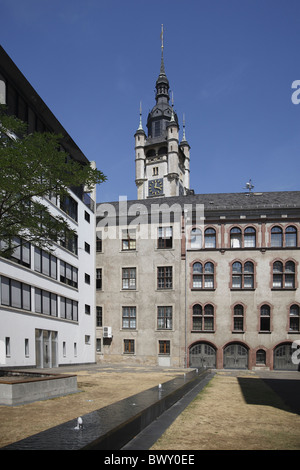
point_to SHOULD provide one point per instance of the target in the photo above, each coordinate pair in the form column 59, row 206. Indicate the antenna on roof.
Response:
column 249, row 186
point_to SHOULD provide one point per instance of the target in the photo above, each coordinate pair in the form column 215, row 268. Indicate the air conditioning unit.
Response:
column 107, row 332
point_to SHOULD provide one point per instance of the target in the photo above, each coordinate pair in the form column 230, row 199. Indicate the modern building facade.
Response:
column 47, row 300
column 199, row 280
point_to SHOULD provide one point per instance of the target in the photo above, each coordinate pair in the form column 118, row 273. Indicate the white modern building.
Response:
column 47, row 300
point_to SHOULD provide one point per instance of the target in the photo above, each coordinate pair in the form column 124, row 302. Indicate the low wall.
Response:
column 20, row 388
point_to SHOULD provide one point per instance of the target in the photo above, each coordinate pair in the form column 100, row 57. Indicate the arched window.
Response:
column 294, row 318
column 235, row 238
column 197, row 276
column 203, row 278
column 196, row 239
column 203, row 318
column 248, row 275
column 209, row 275
column 261, row 357
column 197, row 317
column 208, row 318
column 291, row 236
column 289, row 281
column 284, row 275
column 276, row 236
column 237, row 275
column 210, row 238
column 249, row 237
column 238, row 318
column 243, row 275
column 265, row 318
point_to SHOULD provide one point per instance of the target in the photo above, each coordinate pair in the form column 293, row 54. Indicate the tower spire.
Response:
column 162, row 65
column 140, row 128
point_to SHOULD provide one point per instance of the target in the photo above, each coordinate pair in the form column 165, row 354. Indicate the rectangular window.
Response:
column 129, row 239
column 26, row 347
column 87, row 247
column 164, row 318
column 99, row 319
column 21, row 253
column 45, row 302
column 128, row 346
column 68, row 309
column 70, row 242
column 164, row 277
column 99, row 242
column 165, row 237
column 129, row 317
column 45, row 263
column 15, row 294
column 87, row 278
column 87, row 309
column 7, row 346
column 98, row 345
column 164, row 347
column 70, row 207
column 68, row 274
column 99, row 278
column 87, row 216
column 129, row 278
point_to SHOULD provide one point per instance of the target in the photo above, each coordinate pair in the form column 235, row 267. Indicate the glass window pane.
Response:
column 37, row 260
column 53, row 267
column 26, row 296
column 276, row 236
column 16, row 294
column 5, row 297
column 291, row 236
column 46, row 302
column 26, row 253
column 38, row 300
column 45, row 263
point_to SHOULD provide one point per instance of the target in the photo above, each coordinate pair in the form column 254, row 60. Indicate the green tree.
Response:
column 33, row 166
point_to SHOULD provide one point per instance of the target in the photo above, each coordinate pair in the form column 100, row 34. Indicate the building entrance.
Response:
column 235, row 357
column 283, row 357
column 46, row 349
column 202, row 355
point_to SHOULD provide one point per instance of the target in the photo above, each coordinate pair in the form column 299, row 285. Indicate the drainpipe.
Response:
column 185, row 289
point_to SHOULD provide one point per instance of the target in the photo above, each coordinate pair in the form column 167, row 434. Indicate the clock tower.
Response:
column 162, row 161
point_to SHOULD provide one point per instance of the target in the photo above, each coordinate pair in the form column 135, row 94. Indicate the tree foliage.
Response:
column 33, row 166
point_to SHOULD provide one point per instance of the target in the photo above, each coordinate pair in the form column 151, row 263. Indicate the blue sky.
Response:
column 230, row 64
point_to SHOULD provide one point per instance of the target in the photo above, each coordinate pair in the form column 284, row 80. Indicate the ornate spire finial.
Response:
column 162, row 65
column 183, row 125
column 140, row 128
column 172, row 117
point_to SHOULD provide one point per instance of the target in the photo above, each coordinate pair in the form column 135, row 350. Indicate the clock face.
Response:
column 155, row 187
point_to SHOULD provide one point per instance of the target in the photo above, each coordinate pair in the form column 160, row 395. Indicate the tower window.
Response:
column 157, row 128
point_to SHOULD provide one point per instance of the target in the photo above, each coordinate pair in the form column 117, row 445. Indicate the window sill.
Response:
column 238, row 332
column 283, row 288
column 294, row 332
column 203, row 331
column 265, row 332
column 251, row 289
column 203, row 289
